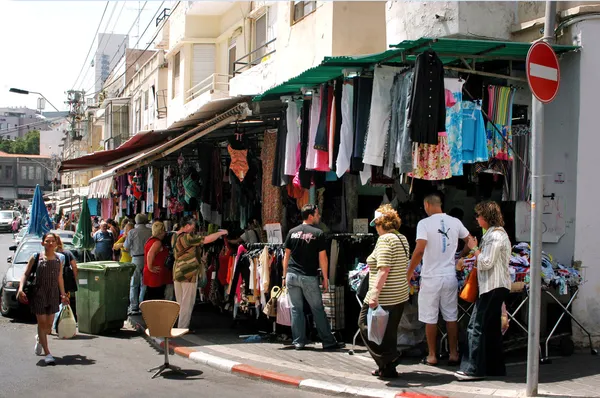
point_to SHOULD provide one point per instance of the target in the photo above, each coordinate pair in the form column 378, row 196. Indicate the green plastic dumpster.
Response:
column 103, row 296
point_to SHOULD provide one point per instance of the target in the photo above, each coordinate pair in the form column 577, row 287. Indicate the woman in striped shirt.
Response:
column 186, row 267
column 484, row 355
column 388, row 287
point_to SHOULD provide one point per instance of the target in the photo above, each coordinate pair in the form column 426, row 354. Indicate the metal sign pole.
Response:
column 537, row 193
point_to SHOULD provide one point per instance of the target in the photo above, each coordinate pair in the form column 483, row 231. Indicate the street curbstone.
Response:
column 212, row 361
column 229, row 366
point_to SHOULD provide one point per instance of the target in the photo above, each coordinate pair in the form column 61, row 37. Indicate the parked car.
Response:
column 11, row 280
column 19, row 238
column 6, row 218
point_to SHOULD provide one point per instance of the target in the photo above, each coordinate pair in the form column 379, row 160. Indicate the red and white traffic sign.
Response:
column 543, row 72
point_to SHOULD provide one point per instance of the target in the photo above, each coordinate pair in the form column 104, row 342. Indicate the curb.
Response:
column 319, row 386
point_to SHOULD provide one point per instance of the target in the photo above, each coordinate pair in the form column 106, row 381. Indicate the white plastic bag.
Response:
column 67, row 328
column 284, row 309
column 377, row 320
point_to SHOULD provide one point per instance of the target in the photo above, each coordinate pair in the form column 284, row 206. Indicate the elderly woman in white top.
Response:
column 484, row 354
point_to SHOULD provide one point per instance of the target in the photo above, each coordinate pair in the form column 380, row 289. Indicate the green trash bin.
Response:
column 103, row 296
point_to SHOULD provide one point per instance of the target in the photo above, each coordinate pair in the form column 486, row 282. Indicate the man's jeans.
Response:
column 301, row 287
column 137, row 289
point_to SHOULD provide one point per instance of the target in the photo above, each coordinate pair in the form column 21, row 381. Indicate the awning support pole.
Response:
column 489, row 74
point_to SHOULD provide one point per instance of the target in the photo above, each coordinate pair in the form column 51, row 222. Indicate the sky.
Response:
column 43, row 44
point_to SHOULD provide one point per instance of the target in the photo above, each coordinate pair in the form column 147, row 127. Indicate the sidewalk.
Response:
column 218, row 345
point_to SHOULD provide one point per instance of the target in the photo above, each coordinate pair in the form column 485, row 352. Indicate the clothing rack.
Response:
column 350, row 235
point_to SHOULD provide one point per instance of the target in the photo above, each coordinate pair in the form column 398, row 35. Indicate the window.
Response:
column 260, row 38
column 146, row 99
column 31, row 172
column 301, row 9
column 232, row 54
column 23, row 172
column 8, row 172
column 38, row 173
column 176, row 71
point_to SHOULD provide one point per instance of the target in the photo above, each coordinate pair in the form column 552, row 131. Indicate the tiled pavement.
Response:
column 575, row 376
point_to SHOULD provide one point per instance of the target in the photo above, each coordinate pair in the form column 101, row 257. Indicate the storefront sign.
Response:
column 274, row 234
column 360, row 226
column 559, row 178
column 553, row 220
column 26, row 191
column 543, row 72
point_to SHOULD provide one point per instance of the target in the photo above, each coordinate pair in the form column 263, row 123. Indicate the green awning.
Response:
column 449, row 50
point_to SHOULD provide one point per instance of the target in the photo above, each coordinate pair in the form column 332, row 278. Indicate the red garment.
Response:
column 223, row 268
column 162, row 277
column 322, row 157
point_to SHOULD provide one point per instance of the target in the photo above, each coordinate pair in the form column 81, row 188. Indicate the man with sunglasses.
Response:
column 437, row 241
column 305, row 253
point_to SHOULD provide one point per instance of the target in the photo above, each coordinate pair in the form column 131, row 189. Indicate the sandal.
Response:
column 375, row 373
column 424, row 361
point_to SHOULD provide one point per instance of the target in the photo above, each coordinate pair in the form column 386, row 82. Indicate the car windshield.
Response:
column 6, row 215
column 25, row 251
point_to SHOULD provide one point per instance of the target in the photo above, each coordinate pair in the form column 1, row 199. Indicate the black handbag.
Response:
column 30, row 287
column 68, row 274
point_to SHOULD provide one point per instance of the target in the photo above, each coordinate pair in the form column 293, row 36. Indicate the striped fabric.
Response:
column 186, row 264
column 391, row 251
column 493, row 261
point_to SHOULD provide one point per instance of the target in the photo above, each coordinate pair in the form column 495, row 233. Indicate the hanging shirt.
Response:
column 315, row 113
column 347, row 132
column 292, row 138
column 427, row 114
column 380, row 115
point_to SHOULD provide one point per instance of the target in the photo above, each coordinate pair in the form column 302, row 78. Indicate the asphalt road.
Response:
column 101, row 366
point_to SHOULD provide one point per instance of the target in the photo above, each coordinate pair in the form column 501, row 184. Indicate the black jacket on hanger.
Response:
column 427, row 113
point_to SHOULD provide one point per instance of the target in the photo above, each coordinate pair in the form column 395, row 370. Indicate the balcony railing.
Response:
column 214, row 82
column 253, row 58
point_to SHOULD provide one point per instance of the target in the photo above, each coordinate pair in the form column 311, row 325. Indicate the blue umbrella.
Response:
column 40, row 221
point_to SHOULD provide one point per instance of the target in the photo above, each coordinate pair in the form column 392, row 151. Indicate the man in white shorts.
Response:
column 437, row 241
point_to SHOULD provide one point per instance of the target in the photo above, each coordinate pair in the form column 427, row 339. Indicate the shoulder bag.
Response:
column 68, row 274
column 30, row 286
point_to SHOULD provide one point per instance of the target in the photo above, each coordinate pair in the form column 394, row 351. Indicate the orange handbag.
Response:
column 470, row 291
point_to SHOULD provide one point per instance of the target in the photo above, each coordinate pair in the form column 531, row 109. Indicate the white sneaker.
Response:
column 38, row 347
column 49, row 360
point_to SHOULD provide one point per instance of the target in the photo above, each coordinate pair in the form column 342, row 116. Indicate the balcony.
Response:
column 255, row 72
column 216, row 82
column 256, row 57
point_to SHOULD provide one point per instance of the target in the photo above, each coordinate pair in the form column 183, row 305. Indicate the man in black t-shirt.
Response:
column 305, row 252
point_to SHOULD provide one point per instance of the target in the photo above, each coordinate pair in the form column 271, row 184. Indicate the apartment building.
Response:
column 111, row 48
column 286, row 38
column 148, row 92
column 16, row 122
column 19, row 174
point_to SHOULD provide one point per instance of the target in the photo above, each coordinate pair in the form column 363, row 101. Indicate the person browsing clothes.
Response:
column 305, row 253
column 484, row 355
column 437, row 241
column 134, row 244
column 388, row 287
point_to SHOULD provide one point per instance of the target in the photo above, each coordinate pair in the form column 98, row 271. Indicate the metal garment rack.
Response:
column 545, row 344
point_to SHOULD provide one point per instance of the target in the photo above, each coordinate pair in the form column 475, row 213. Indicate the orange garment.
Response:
column 239, row 162
column 230, row 270
column 304, row 200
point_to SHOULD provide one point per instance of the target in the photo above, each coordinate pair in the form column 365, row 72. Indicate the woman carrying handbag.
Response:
column 47, row 291
column 484, row 355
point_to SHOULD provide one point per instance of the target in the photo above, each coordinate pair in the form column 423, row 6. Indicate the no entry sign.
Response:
column 543, row 72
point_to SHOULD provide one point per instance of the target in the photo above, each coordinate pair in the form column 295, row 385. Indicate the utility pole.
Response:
column 537, row 193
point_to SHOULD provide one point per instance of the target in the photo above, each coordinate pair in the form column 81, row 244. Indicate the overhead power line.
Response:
column 147, row 47
column 122, row 43
column 104, row 31
column 16, row 129
column 91, row 45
